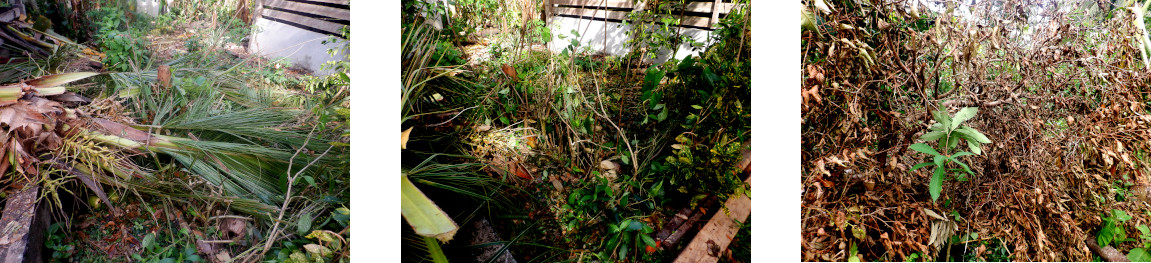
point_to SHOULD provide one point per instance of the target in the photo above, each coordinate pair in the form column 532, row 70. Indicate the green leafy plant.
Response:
column 700, row 168
column 1140, row 254
column 949, row 131
column 57, row 242
column 1112, row 230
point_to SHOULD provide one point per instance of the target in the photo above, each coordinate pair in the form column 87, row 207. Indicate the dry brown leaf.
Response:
column 404, row 138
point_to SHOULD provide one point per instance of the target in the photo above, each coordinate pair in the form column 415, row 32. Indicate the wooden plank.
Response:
column 547, row 10
column 696, row 21
column 621, row 15
column 605, row 3
column 714, row 238
column 706, row 7
column 332, row 28
column 332, row 12
column 700, row 7
column 339, row 2
column 714, row 14
column 589, row 13
column 22, row 226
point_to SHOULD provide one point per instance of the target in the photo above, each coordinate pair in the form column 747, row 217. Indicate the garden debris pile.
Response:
column 1063, row 102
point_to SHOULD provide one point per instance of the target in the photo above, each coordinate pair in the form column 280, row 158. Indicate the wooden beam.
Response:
column 603, row 3
column 339, row 2
column 22, row 226
column 332, row 12
column 589, row 13
column 585, row 13
column 706, row 7
column 332, row 28
column 714, row 14
column 547, row 10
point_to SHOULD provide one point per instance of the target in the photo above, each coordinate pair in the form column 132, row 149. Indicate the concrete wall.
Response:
column 302, row 47
column 592, row 33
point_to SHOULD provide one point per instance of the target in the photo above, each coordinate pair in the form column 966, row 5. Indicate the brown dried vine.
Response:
column 1062, row 93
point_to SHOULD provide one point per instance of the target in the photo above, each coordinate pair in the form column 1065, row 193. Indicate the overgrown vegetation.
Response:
column 182, row 154
column 1060, row 90
column 563, row 152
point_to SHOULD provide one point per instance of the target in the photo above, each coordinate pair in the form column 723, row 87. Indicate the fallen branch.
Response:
column 1107, row 253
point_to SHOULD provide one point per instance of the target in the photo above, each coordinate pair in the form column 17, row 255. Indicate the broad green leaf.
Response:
column 942, row 118
column 647, row 240
column 952, row 142
column 697, row 107
column 924, row 148
column 936, row 184
column 425, row 217
column 652, row 79
column 962, row 116
column 939, row 160
column 917, row 166
column 931, row 136
column 961, row 154
column 304, row 224
column 938, row 127
column 1138, row 255
column 1120, row 215
column 1104, row 237
column 965, row 168
column 970, row 133
column 635, row 225
column 974, row 147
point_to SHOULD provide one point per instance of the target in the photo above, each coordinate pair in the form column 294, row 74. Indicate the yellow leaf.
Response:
column 404, row 138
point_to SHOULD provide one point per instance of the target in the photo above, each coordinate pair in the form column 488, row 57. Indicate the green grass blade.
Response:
column 434, row 250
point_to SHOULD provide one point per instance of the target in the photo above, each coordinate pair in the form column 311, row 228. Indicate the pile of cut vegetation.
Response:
column 1027, row 140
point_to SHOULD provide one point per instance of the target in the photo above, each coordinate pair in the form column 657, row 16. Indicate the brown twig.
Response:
column 288, row 194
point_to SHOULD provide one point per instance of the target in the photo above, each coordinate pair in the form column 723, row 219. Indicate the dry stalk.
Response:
column 288, row 194
column 603, row 114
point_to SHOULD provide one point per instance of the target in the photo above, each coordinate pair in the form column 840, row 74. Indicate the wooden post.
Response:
column 547, row 11
column 714, row 13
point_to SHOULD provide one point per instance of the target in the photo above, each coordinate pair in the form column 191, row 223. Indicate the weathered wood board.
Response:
column 323, row 26
column 714, row 238
column 699, row 14
column 321, row 10
column 22, row 227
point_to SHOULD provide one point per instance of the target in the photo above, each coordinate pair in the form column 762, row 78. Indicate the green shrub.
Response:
column 949, row 131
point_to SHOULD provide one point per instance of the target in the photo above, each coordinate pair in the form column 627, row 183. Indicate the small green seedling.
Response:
column 949, row 131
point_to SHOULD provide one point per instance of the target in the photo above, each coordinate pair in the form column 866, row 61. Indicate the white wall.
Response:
column 592, row 33
column 302, row 47
column 150, row 7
